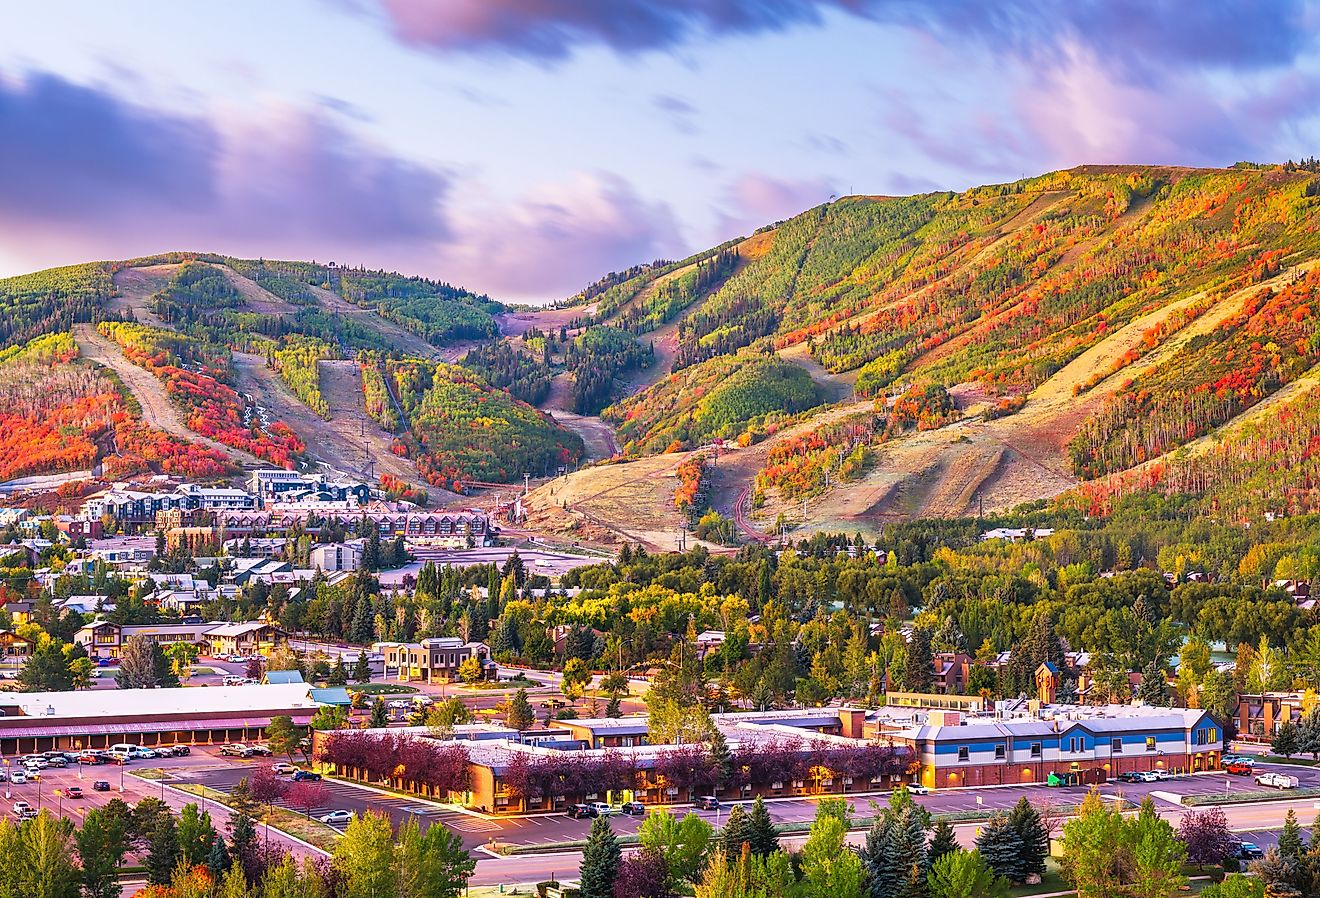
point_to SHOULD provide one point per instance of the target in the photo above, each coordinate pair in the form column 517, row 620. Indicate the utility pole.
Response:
column 527, row 483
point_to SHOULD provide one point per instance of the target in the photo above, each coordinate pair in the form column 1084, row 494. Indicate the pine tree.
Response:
column 520, row 716
column 737, row 832
column 218, row 860
column 163, row 851
column 614, row 707
column 243, row 842
column 880, row 859
column 362, row 669
column 762, row 836
column 721, row 759
column 338, row 674
column 600, row 861
column 379, row 718
column 1034, row 835
column 1285, row 741
column 1290, row 840
column 363, row 629
column 942, row 841
column 1001, row 847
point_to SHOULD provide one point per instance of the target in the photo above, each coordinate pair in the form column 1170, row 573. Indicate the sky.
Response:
column 523, row 148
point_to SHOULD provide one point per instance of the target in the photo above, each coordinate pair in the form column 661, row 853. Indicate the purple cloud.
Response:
column 86, row 174
column 1144, row 34
column 559, row 237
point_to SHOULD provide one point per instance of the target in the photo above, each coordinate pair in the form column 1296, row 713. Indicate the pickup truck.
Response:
column 1278, row 780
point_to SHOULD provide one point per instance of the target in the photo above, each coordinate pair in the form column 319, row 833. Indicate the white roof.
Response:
column 182, row 700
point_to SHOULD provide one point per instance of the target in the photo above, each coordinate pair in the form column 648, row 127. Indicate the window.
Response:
column 1116, row 745
column 1150, row 743
column 962, row 753
column 1035, row 749
column 999, row 752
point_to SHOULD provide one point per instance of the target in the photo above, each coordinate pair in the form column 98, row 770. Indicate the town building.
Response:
column 434, row 660
column 96, row 719
column 1259, row 715
column 336, row 557
column 105, row 639
column 14, row 648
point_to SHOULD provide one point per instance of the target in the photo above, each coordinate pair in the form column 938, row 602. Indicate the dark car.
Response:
column 306, row 776
column 633, row 809
column 707, row 803
column 100, row 786
column 1249, row 851
column 1129, row 777
column 181, row 750
column 579, row 811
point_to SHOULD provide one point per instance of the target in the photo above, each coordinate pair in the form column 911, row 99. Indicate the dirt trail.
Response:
column 599, row 437
column 404, row 339
column 157, row 409
column 135, row 286
column 339, row 442
column 257, row 297
column 837, row 387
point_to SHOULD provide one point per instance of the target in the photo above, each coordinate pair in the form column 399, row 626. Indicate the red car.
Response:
column 73, row 792
column 1239, row 767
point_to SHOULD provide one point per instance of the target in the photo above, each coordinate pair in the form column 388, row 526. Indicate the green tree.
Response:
column 433, row 864
column 1092, row 849
column 600, row 861
column 721, row 758
column 218, row 861
column 283, row 736
column 329, row 717
column 42, row 858
column 1157, row 855
column 364, row 857
column 362, row 669
column 829, row 869
column 1291, row 845
column 1235, row 886
column 964, row 874
column 520, row 715
column 576, row 677
column 682, row 843
column 1285, row 741
column 101, row 845
column 443, row 716
column 163, row 850
column 379, row 714
column 942, row 840
column 196, row 835
column 762, row 835
column 143, row 665
column 470, row 670
column 1001, row 848
column 338, row 674
column 1034, row 835
column 46, row 670
column 737, row 832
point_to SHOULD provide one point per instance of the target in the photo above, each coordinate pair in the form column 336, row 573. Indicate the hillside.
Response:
column 256, row 363
column 869, row 360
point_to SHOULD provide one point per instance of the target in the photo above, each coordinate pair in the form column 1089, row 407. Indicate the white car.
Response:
column 18, row 777
column 283, row 768
column 602, row 809
column 916, row 789
column 337, row 818
column 21, row 808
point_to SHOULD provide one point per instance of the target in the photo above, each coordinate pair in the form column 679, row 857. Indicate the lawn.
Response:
column 310, row 830
column 383, row 689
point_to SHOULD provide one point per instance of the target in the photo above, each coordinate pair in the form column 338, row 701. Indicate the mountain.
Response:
column 1083, row 335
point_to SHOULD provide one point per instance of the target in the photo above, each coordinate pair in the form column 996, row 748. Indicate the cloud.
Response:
column 86, row 174
column 1145, row 35
column 560, row 237
column 757, row 199
column 680, row 112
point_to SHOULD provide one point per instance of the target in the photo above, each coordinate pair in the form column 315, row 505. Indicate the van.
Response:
column 122, row 752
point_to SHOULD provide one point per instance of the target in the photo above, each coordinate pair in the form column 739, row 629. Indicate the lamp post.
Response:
column 6, row 779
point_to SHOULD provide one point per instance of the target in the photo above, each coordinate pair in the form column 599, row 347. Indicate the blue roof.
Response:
column 331, row 695
column 280, row 677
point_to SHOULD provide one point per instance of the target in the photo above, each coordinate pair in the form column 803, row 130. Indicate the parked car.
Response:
column 603, row 808
column 305, row 776
column 338, row 818
column 707, row 803
column 100, row 786
column 36, row 761
column 283, row 768
column 262, row 750
column 1239, row 768
column 138, row 753
column 581, row 811
column 236, row 750
column 1130, row 777
column 633, row 809
column 917, row 789
column 73, row 792
column 1248, row 851
column 1277, row 780
column 1237, row 759
column 18, row 778
column 20, row 808
column 90, row 758
column 1160, row 776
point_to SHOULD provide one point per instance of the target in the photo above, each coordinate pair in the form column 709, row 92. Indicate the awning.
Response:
column 163, row 726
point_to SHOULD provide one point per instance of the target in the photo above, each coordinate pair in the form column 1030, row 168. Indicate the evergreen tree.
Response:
column 1290, row 839
column 880, row 859
column 520, row 715
column 600, row 861
column 1034, row 835
column 196, row 835
column 363, row 629
column 942, row 841
column 371, row 551
column 218, row 861
column 243, row 842
column 762, row 835
column 721, row 759
column 737, row 832
column 338, row 674
column 379, row 716
column 1285, row 741
column 1154, row 688
column 362, row 669
column 1001, row 848
column 163, row 851
column 919, row 665
column 614, row 707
